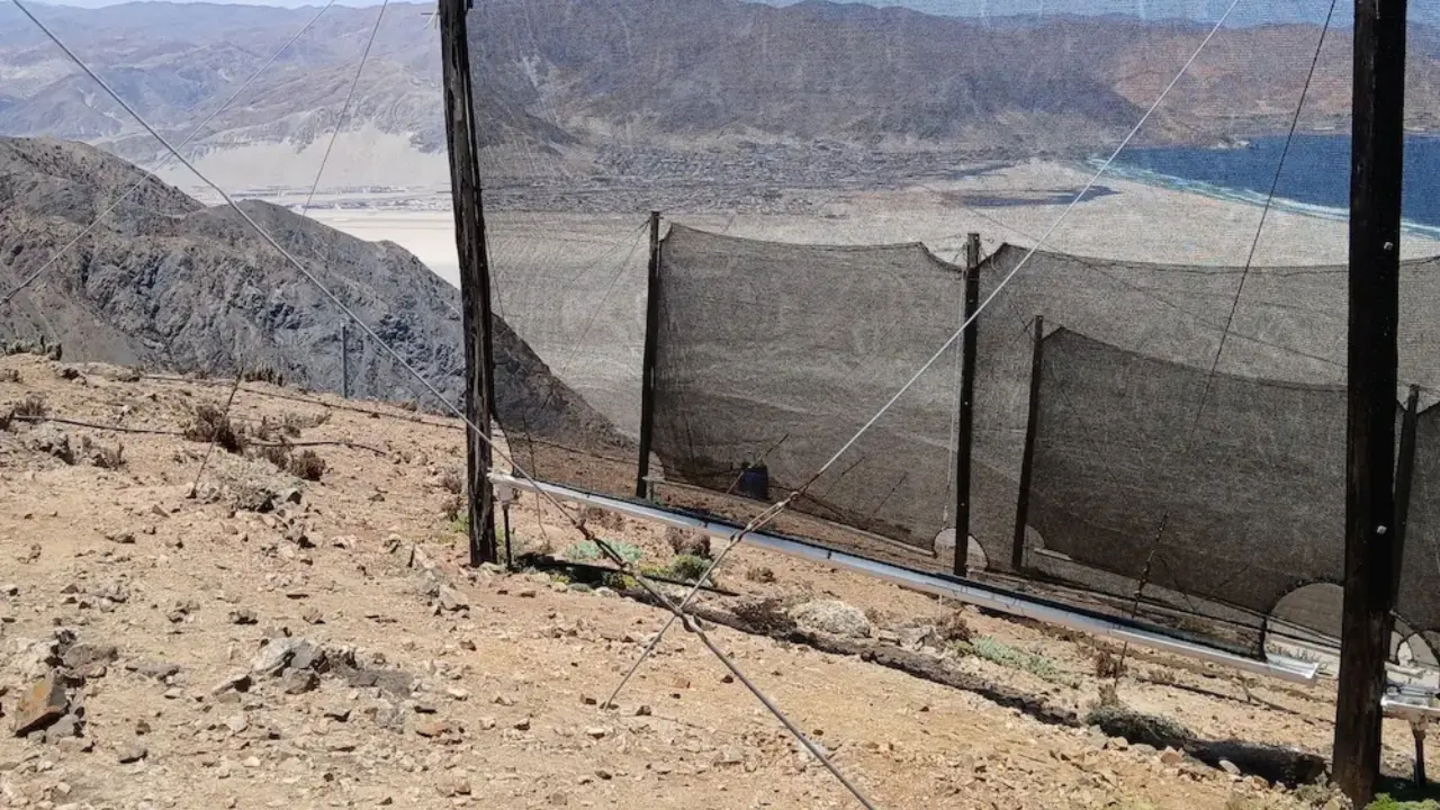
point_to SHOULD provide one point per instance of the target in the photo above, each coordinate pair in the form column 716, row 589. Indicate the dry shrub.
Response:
column 767, row 615
column 452, row 482
column 9, row 375
column 452, row 507
column 954, row 628
column 277, row 454
column 760, row 573
column 685, row 542
column 1108, row 665
column 32, row 347
column 604, row 518
column 307, row 465
column 210, row 424
column 1117, row 720
column 31, row 407
column 106, row 457
column 265, row 375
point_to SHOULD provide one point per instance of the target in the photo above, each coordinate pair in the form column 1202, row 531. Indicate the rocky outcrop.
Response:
column 165, row 282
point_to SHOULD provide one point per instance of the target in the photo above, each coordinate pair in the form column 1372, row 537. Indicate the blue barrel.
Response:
column 755, row 482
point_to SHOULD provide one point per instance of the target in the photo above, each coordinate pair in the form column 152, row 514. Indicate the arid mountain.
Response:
column 560, row 78
column 166, row 282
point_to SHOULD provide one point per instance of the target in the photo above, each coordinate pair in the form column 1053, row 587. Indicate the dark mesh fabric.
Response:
column 1289, row 326
column 1418, row 599
column 1248, row 509
column 778, row 353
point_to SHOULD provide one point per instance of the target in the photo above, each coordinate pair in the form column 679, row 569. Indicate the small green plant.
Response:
column 460, row 522
column 999, row 652
column 617, row 581
column 688, row 567
column 588, row 551
column 1385, row 802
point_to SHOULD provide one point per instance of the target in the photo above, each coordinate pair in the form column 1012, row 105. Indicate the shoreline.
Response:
column 1249, row 197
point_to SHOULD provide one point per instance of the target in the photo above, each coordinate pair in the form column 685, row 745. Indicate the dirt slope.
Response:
column 441, row 686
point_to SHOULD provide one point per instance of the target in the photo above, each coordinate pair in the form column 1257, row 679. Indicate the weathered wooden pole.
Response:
column 965, row 440
column 1027, row 459
column 474, row 274
column 647, row 368
column 1376, row 171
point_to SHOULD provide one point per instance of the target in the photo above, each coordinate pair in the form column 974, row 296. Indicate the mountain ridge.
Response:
column 167, row 282
column 563, row 81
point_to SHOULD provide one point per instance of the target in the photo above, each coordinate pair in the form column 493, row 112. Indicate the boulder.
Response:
column 42, row 705
column 832, row 616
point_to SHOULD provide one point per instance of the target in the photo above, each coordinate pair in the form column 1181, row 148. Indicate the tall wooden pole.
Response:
column 1378, row 144
column 647, row 367
column 964, row 439
column 1027, row 459
column 474, row 274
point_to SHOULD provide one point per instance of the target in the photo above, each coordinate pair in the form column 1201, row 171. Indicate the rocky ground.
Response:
column 277, row 641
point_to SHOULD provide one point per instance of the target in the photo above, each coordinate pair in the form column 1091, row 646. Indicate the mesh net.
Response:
column 775, row 355
column 1238, row 504
column 811, row 162
column 1418, row 599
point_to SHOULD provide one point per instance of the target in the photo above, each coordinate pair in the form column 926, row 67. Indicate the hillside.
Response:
column 583, row 80
column 333, row 652
column 168, row 283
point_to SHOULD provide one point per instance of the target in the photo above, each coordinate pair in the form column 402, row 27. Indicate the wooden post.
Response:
column 465, row 190
column 1022, row 503
column 1417, row 729
column 647, row 369
column 1378, row 145
column 345, row 360
column 965, row 438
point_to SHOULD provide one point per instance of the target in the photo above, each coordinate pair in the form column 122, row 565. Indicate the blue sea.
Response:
column 1315, row 179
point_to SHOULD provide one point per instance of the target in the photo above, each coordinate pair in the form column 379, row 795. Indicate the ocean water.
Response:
column 1315, row 179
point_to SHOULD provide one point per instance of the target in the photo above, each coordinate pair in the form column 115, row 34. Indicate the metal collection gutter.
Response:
column 1280, row 667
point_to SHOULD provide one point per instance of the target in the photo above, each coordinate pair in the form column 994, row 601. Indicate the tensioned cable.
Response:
column 270, row 240
column 1230, row 317
column 1065, row 214
column 194, row 133
column 1264, row 214
column 345, row 108
column 773, row 511
column 339, row 124
column 579, row 524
